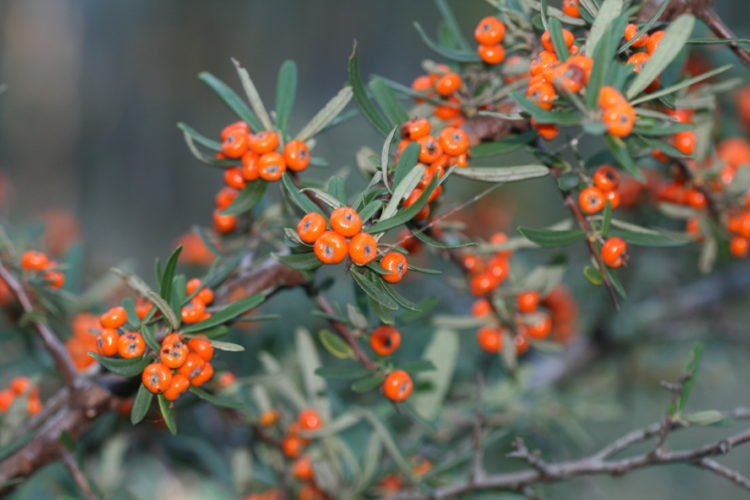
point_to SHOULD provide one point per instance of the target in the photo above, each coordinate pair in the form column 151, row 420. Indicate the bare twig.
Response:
column 78, row 476
column 724, row 471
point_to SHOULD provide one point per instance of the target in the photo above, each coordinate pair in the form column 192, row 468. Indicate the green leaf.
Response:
column 677, row 33
column 507, row 145
column 442, row 352
column 604, row 55
column 167, row 413
column 455, row 55
column 300, row 199
column 247, row 198
column 286, row 91
column 681, row 85
column 360, row 95
column 165, row 287
column 300, row 261
column 645, row 28
column 342, row 373
column 123, row 367
column 256, row 103
column 337, row 189
column 615, row 282
column 608, row 11
column 545, row 116
column 402, row 190
column 326, row 115
column 141, row 404
column 407, row 161
column 373, row 290
column 386, row 99
column 649, row 238
column 216, row 400
column 606, row 219
column 226, row 314
column 408, row 213
column 452, row 24
column 232, row 100
column 502, row 174
column 142, row 288
column 309, row 362
column 593, row 275
column 620, row 151
column 368, row 383
column 693, row 366
column 425, row 238
column 552, row 237
column 421, row 365
column 555, row 30
column 335, row 344
column 385, row 156
column 147, row 332
column 706, row 418
column 199, row 138
column 370, row 210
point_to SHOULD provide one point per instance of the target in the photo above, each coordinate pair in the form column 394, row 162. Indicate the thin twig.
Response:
column 344, row 332
column 724, row 471
column 78, row 476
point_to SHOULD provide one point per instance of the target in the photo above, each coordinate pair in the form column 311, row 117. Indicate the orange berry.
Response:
column 224, row 223
column 226, row 379
column 696, row 199
column 416, row 129
column 194, row 311
column 544, row 60
column 430, row 149
column 233, row 178
column 454, row 141
column 472, row 263
column 178, row 385
column 271, row 166
column 192, row 367
column 491, row 54
column 482, row 284
column 654, row 40
column 6, row 400
column 527, row 302
column 156, row 377
column 396, row 265
column 106, row 342
column 33, row 406
column 619, row 119
column 206, row 373
column 685, row 141
column 613, row 251
column 481, row 307
column 363, row 249
column 292, row 446
column 570, row 8
column 398, row 386
column 55, row 279
column 606, row 178
column 114, row 318
column 384, row 340
column 19, row 385
column 33, row 260
column 546, row 131
column 250, row 166
column 591, row 200
column 174, row 355
column 330, row 247
column 235, row 145
column 522, row 343
column 346, row 221
column 311, row 226
column 131, row 345
column 568, row 38
column 490, row 339
column 610, row 97
column 296, row 155
column 202, row 347
column 739, row 247
column 234, row 127
column 408, row 241
column 447, row 84
column 302, row 468
column 268, row 418
column 542, row 93
column 638, row 60
column 309, row 420
column 142, row 308
column 570, row 76
column 448, row 111
column 499, row 268
column 630, row 31
column 263, row 142
column 540, row 329
column 613, row 197
column 489, row 31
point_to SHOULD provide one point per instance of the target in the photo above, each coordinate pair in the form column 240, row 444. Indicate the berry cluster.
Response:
column 384, row 340
column 489, row 34
column 195, row 311
column 261, row 160
column 617, row 114
column 445, row 84
column 34, row 261
column 110, row 342
column 181, row 364
column 450, row 148
column 83, row 340
column 19, row 386
column 346, row 238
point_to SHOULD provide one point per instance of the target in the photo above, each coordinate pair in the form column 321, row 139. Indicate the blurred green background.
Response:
column 87, row 125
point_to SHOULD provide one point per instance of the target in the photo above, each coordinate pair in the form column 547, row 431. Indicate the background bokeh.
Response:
column 87, row 126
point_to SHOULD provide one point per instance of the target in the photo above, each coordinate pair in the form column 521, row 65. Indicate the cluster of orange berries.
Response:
column 195, row 311
column 390, row 484
column 485, row 275
column 617, row 114
column 110, row 342
column 83, row 340
column 444, row 83
column 347, row 238
column 450, row 148
column 385, row 340
column 17, row 387
column 489, row 34
column 260, row 159
column 34, row 261
column 549, row 74
column 649, row 42
column 181, row 364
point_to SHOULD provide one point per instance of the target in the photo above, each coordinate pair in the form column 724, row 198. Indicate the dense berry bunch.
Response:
column 182, row 363
column 38, row 263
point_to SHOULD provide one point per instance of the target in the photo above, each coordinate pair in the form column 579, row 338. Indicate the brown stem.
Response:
column 721, row 30
column 78, row 476
column 52, row 344
column 344, row 332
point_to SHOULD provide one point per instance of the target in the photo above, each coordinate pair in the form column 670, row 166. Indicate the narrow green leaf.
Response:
column 167, row 413
column 216, row 400
column 226, row 314
column 407, row 161
column 606, row 219
column 300, row 199
column 385, row 157
column 454, row 55
column 503, row 174
column 165, row 287
column 646, row 27
column 425, row 238
column 593, row 275
column 373, row 290
column 256, row 103
column 450, row 21
column 247, row 198
column 200, row 138
column 441, row 352
column 141, row 404
column 368, row 383
column 402, row 190
column 326, row 115
column 232, row 100
column 286, row 91
column 335, row 345
column 677, row 33
column 142, row 288
column 555, row 29
column 300, row 261
column 386, row 99
column 552, row 237
column 649, row 238
column 342, row 373
column 421, row 365
column 692, row 369
column 123, row 367
column 608, row 11
column 681, row 85
column 620, row 151
column 360, row 95
column 545, row 116
column 408, row 213
column 507, row 145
